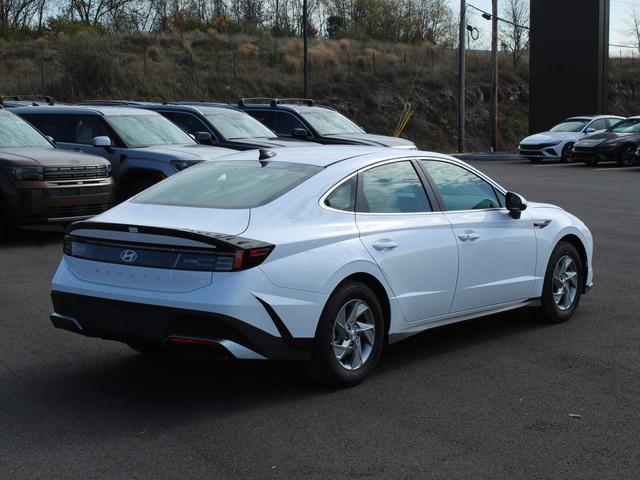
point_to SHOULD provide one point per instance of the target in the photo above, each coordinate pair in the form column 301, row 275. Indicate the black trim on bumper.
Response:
column 135, row 322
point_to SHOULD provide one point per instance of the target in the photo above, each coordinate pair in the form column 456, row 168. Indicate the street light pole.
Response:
column 305, row 40
column 494, row 76
column 461, row 76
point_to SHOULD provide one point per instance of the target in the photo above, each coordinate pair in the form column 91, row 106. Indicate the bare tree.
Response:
column 633, row 31
column 515, row 35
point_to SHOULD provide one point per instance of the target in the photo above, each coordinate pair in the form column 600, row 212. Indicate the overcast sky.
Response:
column 619, row 24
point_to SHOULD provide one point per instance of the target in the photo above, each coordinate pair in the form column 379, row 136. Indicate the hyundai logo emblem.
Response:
column 128, row 256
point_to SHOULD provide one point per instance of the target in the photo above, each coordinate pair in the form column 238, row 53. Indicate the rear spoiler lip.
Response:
column 218, row 240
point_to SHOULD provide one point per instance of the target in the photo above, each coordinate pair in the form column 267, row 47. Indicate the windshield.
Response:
column 627, row 126
column 570, row 126
column 235, row 125
column 228, row 185
column 147, row 130
column 330, row 122
column 16, row 133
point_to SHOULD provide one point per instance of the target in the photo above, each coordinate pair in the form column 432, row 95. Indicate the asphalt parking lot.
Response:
column 501, row 397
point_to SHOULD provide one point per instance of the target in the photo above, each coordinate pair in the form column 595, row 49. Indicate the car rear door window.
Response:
column 59, row 127
column 612, row 121
column 459, row 188
column 344, row 196
column 392, row 188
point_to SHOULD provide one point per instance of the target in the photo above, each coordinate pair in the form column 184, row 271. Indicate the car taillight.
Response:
column 225, row 258
column 253, row 257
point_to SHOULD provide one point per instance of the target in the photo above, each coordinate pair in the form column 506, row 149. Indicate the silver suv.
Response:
column 142, row 146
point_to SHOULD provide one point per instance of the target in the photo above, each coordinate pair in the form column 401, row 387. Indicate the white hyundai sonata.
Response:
column 318, row 254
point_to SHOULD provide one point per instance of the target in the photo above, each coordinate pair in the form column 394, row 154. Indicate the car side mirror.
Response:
column 516, row 204
column 203, row 137
column 590, row 130
column 102, row 141
column 300, row 133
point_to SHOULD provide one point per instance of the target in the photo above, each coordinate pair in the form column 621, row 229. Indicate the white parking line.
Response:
column 610, row 169
column 561, row 165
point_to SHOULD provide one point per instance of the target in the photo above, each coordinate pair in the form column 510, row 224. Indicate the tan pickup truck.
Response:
column 40, row 184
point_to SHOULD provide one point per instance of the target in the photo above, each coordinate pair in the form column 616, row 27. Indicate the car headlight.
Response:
column 182, row 164
column 25, row 173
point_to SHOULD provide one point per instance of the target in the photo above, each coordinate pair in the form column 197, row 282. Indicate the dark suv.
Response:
column 213, row 124
column 40, row 184
column 302, row 119
column 142, row 146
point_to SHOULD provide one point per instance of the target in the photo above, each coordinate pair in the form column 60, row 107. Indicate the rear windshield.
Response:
column 228, row 185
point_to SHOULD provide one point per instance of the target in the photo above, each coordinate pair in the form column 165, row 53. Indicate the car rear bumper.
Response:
column 174, row 328
column 56, row 202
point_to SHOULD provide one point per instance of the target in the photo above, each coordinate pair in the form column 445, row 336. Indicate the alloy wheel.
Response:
column 565, row 283
column 353, row 334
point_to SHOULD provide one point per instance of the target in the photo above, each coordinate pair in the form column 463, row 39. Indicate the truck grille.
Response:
column 77, row 210
column 76, row 173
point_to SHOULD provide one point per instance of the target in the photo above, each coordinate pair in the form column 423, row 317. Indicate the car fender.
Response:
column 552, row 225
column 159, row 166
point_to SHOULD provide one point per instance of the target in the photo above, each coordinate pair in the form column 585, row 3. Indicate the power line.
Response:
column 488, row 16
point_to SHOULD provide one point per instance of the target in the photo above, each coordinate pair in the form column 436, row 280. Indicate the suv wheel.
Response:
column 563, row 283
column 349, row 337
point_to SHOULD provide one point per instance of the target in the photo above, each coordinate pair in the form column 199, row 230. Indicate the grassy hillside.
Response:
column 370, row 82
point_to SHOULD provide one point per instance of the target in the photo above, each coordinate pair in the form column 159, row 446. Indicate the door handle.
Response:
column 469, row 236
column 384, row 245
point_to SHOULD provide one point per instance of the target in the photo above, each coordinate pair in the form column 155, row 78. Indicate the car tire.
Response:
column 627, row 156
column 567, row 156
column 351, row 327
column 563, row 283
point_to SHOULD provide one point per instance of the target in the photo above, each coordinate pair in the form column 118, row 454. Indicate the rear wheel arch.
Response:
column 378, row 288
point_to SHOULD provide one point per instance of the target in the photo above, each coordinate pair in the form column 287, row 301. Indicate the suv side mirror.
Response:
column 516, row 204
column 300, row 133
column 103, row 141
column 590, row 130
column 203, row 137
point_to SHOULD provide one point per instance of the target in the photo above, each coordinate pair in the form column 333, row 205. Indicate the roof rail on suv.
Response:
column 107, row 103
column 275, row 101
column 35, row 99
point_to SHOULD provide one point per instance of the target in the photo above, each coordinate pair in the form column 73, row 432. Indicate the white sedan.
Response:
column 317, row 254
column 559, row 141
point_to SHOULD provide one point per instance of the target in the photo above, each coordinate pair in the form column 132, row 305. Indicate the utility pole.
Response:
column 461, row 76
column 305, row 41
column 494, row 76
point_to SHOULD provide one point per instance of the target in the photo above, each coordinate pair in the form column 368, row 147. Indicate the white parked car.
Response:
column 558, row 142
column 320, row 254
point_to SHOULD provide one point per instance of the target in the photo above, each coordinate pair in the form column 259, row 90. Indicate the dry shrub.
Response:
column 292, row 48
column 154, row 53
column 249, row 50
column 186, row 44
column 323, row 55
column 292, row 63
column 212, row 33
column 344, row 44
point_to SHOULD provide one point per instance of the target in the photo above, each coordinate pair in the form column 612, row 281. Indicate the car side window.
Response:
column 59, row 127
column 187, row 122
column 612, row 121
column 284, row 123
column 459, row 188
column 343, row 197
column 87, row 127
column 599, row 124
column 263, row 116
column 392, row 188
